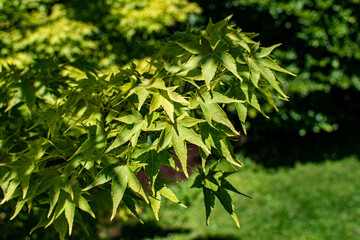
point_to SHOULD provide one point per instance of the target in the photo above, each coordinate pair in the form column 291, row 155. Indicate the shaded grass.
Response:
column 311, row 201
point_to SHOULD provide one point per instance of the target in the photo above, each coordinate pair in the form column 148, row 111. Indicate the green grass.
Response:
column 311, row 201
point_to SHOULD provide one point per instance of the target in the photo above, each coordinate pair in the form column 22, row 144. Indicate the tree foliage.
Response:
column 106, row 33
column 64, row 138
column 320, row 42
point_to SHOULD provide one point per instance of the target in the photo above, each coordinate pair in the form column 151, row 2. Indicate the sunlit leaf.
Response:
column 84, row 205
column 208, row 69
column 180, row 150
column 105, row 175
column 134, row 183
column 70, row 213
column 212, row 111
column 118, row 187
column 155, row 202
column 265, row 51
column 169, row 194
column 268, row 62
column 267, row 74
column 54, row 194
column 19, row 205
column 228, row 61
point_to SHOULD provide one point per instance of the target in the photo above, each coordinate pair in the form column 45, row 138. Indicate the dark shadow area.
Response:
column 148, row 230
column 251, row 19
column 277, row 142
column 284, row 140
column 217, row 237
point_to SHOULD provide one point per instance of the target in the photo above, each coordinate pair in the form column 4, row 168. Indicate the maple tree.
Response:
column 63, row 137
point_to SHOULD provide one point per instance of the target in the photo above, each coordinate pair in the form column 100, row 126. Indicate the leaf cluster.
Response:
column 99, row 132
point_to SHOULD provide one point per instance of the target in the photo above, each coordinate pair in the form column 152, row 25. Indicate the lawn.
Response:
column 309, row 201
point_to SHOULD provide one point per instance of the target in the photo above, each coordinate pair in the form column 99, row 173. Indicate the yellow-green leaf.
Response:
column 208, row 69
column 118, row 187
column 228, row 62
column 179, row 145
column 70, row 213
column 155, row 202
column 84, row 205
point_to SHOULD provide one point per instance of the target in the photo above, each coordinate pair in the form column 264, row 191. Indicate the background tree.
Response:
column 320, row 43
column 105, row 33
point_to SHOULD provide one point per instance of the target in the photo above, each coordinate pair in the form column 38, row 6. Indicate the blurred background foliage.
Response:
column 105, row 33
column 321, row 43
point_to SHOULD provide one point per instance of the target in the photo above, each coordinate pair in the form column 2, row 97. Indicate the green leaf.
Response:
column 176, row 97
column 198, row 182
column 251, row 98
column 265, row 51
column 68, row 187
column 60, row 208
column 267, row 94
column 155, row 102
column 28, row 91
column 180, row 150
column 188, row 122
column 204, row 42
column 218, row 29
column 61, row 227
column 208, row 69
column 155, row 202
column 228, row 62
column 165, row 138
column 14, row 183
column 125, row 134
column 227, row 185
column 167, row 105
column 19, row 205
column 173, row 67
column 191, row 136
column 142, row 95
column 80, row 221
column 267, row 74
column 268, row 62
column 193, row 63
column 242, row 114
column 70, row 213
column 254, row 73
column 53, row 197
column 192, row 47
column 152, row 169
column 105, row 175
column 134, row 183
column 224, row 147
column 209, row 200
column 210, row 184
column 42, row 222
column 216, row 97
column 25, row 183
column 209, row 27
column 226, row 201
column 130, row 204
column 129, row 119
column 118, row 187
column 169, row 194
column 161, row 99
column 84, row 205
column 212, row 111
